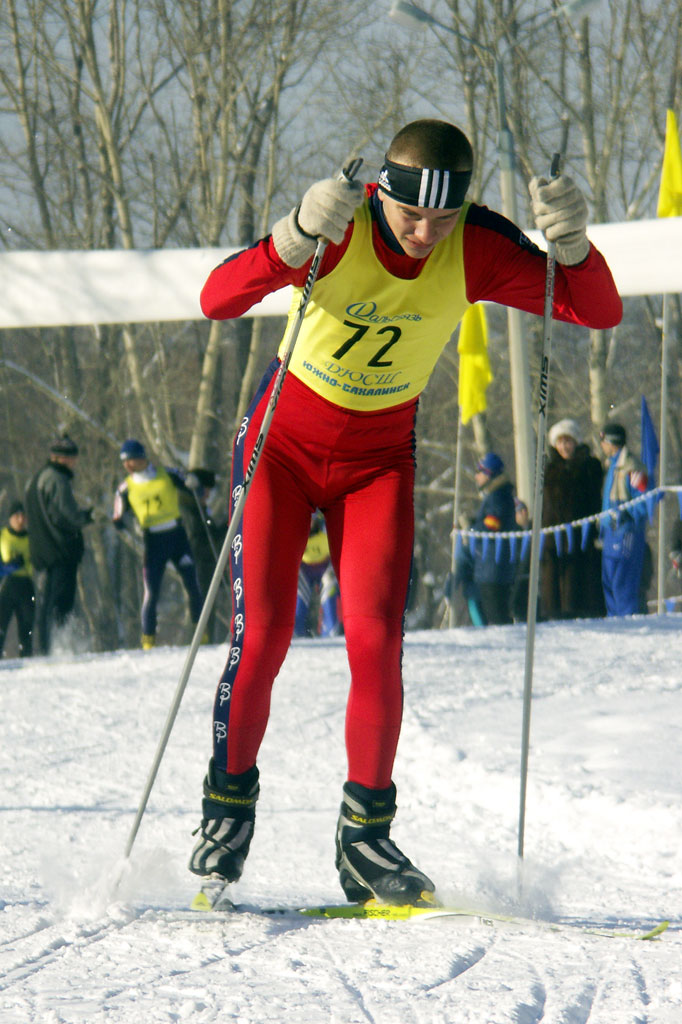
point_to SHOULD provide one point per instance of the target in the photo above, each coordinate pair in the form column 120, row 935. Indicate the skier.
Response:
column 316, row 573
column 151, row 494
column 407, row 255
column 623, row 534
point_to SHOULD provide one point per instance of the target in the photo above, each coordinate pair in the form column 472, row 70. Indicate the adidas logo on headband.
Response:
column 422, row 186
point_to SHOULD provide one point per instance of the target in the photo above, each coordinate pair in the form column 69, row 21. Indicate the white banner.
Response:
column 109, row 286
column 48, row 289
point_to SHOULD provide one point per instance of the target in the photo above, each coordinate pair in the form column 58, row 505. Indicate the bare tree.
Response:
column 146, row 123
column 152, row 124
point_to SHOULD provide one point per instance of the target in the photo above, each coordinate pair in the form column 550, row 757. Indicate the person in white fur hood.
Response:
column 570, row 573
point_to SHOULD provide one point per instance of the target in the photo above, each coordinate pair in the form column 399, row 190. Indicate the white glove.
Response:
column 325, row 211
column 192, row 481
column 560, row 212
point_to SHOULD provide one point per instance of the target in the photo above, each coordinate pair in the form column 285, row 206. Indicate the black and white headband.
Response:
column 420, row 186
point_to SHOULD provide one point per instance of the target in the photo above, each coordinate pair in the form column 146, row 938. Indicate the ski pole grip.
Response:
column 351, row 169
column 559, row 157
column 346, row 174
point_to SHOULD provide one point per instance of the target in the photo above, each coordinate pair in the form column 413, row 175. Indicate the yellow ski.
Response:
column 213, row 898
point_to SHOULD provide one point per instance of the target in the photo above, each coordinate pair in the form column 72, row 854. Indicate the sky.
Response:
column 88, row 937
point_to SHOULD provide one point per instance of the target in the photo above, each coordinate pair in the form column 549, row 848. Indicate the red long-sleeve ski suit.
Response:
column 324, row 450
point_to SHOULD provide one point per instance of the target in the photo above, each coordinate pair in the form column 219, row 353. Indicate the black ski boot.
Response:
column 368, row 861
column 229, row 812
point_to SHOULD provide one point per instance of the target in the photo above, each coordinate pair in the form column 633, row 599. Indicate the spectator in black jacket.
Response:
column 55, row 524
column 206, row 535
column 570, row 570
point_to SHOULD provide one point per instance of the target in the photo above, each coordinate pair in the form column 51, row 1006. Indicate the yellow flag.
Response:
column 670, row 192
column 474, row 367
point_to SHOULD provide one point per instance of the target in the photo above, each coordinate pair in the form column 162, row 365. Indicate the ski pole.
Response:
column 348, row 173
column 531, row 615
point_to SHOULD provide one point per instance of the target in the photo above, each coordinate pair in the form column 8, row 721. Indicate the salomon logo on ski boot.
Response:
column 368, row 861
column 226, row 830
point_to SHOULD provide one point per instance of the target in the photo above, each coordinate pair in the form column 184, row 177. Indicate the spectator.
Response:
column 493, row 569
column 56, row 536
column 673, row 587
column 17, row 596
column 519, row 599
column 205, row 535
column 316, row 577
column 150, row 494
column 462, row 583
column 623, row 533
column 570, row 573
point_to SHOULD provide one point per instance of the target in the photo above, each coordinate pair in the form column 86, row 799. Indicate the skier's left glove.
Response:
column 560, row 212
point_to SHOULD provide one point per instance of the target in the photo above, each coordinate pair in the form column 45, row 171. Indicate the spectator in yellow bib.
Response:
column 150, row 494
column 316, row 576
column 17, row 596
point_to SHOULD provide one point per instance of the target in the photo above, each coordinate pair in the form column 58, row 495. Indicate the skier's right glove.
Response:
column 324, row 212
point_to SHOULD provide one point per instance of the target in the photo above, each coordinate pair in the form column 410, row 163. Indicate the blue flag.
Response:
column 650, row 447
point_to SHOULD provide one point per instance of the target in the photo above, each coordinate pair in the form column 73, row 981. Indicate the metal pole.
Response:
column 531, row 616
column 410, row 15
column 519, row 366
column 455, row 521
column 663, row 454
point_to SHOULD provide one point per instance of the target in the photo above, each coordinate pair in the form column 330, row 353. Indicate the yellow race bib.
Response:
column 155, row 500
column 11, row 546
column 370, row 340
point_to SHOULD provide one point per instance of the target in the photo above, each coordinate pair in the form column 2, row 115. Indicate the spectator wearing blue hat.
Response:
column 493, row 570
column 150, row 495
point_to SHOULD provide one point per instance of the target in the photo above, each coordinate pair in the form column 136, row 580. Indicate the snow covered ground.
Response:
column 603, row 838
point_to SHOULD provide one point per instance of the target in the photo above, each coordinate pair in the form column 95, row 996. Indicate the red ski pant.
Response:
column 358, row 468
